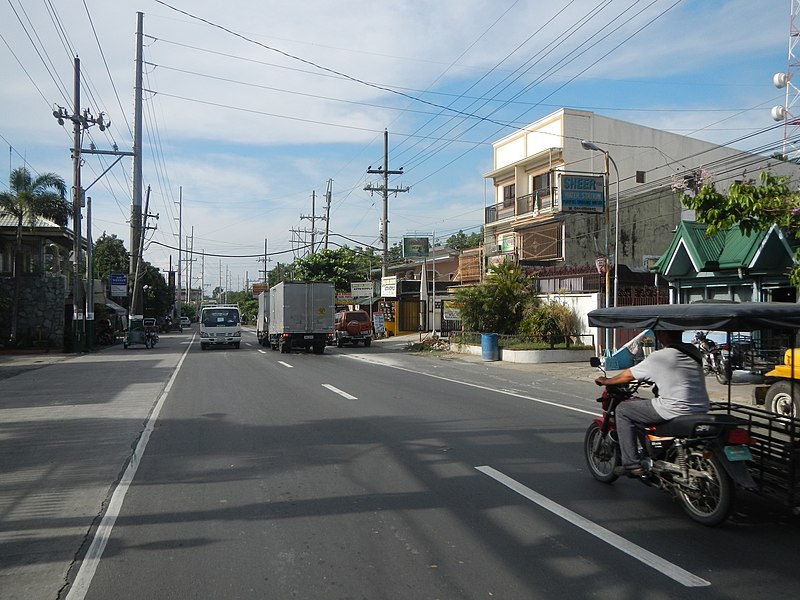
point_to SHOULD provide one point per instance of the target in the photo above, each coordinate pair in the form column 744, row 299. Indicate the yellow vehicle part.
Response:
column 791, row 360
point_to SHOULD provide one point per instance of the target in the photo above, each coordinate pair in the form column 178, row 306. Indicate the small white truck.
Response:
column 220, row 325
column 301, row 315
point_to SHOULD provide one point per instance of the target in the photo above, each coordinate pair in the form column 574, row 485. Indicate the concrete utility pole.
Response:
column 314, row 218
column 180, row 257
column 81, row 120
column 385, row 190
column 328, row 195
column 136, row 198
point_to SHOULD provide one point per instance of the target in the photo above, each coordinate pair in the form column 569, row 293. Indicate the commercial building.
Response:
column 547, row 211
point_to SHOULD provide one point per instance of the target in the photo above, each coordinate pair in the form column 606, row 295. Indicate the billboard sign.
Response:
column 582, row 193
column 416, row 247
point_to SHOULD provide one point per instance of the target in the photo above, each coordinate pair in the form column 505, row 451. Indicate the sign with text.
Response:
column 389, row 286
column 119, row 285
column 362, row 290
column 582, row 193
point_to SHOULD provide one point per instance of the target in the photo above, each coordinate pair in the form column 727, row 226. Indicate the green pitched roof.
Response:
column 691, row 250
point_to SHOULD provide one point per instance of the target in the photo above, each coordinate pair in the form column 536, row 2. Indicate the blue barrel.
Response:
column 490, row 349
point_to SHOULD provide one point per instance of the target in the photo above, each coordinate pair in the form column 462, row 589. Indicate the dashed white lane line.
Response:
column 285, row 364
column 336, row 390
column 644, row 556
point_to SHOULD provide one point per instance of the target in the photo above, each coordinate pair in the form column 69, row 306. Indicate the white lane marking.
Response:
column 474, row 385
column 644, row 556
column 262, row 351
column 285, row 364
column 91, row 561
column 336, row 390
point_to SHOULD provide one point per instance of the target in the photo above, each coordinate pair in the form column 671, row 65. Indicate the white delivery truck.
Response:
column 220, row 325
column 262, row 320
column 301, row 315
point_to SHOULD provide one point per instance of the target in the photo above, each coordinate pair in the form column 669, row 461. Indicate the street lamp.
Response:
column 587, row 145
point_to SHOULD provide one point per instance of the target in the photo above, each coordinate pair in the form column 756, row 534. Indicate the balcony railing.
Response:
column 540, row 201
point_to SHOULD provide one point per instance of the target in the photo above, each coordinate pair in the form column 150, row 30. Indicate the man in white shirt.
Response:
column 677, row 372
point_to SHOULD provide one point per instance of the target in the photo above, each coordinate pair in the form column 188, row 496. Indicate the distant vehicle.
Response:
column 353, row 326
column 220, row 326
column 262, row 320
column 186, row 322
column 301, row 315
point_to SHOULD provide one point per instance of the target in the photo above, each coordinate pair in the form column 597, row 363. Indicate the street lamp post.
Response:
column 587, row 145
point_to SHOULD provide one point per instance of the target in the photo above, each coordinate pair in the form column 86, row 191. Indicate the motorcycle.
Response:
column 698, row 459
column 716, row 357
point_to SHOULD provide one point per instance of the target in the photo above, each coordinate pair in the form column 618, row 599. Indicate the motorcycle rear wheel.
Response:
column 708, row 497
column 602, row 454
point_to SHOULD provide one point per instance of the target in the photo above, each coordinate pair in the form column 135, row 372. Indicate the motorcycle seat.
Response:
column 701, row 424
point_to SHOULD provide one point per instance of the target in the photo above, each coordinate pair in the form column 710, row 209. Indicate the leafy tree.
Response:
column 110, row 256
column 340, row 266
column 499, row 304
column 460, row 240
column 27, row 199
column 157, row 298
column 750, row 206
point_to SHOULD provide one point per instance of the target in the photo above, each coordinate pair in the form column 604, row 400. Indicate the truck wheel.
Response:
column 284, row 347
column 367, row 342
column 339, row 342
column 783, row 399
column 203, row 346
column 319, row 348
column 236, row 345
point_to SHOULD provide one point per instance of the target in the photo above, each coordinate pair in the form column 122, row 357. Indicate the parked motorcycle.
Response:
column 716, row 357
column 699, row 458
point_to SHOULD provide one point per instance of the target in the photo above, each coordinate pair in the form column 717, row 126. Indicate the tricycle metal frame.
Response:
column 776, row 439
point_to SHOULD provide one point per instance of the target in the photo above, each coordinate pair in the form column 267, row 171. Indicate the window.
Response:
column 509, row 194
column 541, row 184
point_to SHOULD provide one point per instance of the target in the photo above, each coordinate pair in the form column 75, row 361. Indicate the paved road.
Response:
column 69, row 424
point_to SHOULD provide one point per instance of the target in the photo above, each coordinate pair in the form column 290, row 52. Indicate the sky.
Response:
column 250, row 112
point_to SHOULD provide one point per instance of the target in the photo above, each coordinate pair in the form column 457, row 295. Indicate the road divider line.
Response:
column 644, row 556
column 285, row 364
column 336, row 390
column 90, row 562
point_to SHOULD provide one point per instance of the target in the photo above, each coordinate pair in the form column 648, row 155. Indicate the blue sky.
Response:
column 252, row 109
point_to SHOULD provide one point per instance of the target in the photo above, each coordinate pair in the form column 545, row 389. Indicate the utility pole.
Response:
column 266, row 262
column 136, row 307
column 81, row 120
column 314, row 218
column 190, row 260
column 385, row 190
column 328, row 195
column 180, row 257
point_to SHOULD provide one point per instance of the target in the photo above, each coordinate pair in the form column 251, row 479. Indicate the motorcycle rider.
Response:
column 680, row 389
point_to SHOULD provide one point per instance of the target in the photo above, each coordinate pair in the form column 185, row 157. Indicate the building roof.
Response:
column 7, row 220
column 693, row 251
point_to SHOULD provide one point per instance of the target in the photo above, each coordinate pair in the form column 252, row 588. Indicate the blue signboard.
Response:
column 119, row 285
column 582, row 193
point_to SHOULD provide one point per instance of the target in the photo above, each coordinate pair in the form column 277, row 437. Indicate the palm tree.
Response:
column 28, row 199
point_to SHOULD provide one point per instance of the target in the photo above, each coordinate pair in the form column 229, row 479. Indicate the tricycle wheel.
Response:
column 602, row 454
column 783, row 399
column 708, row 495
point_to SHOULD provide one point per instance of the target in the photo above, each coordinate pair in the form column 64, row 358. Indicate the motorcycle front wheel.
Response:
column 602, row 454
column 707, row 497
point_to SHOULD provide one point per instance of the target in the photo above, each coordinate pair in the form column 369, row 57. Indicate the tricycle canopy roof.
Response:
column 727, row 316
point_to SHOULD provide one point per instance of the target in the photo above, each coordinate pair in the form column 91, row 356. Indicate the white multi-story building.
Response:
column 546, row 183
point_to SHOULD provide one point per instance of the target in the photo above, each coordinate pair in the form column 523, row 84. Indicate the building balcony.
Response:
column 535, row 204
